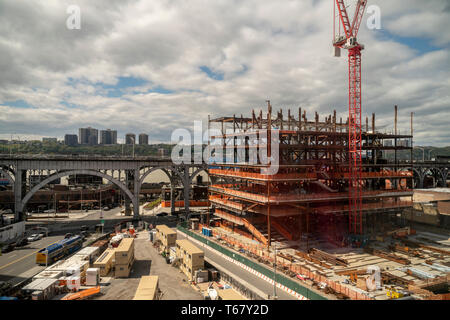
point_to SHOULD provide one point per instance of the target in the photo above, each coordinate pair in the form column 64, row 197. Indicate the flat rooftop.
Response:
column 188, row 246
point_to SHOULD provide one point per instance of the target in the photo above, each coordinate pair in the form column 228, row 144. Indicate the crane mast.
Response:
column 348, row 41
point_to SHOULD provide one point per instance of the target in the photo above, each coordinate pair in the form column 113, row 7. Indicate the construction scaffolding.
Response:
column 308, row 194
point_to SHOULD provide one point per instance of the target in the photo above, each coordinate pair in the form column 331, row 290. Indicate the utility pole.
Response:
column 54, row 217
column 101, row 208
column 275, row 276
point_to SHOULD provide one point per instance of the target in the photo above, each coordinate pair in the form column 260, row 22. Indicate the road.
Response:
column 257, row 282
column 90, row 219
column 19, row 264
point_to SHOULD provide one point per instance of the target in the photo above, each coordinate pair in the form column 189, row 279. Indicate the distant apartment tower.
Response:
column 130, row 138
column 88, row 136
column 108, row 136
column 143, row 138
column 70, row 139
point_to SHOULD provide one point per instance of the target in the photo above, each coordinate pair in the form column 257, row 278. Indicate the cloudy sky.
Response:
column 157, row 65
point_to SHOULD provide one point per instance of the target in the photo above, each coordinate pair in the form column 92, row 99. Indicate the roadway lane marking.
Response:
column 15, row 261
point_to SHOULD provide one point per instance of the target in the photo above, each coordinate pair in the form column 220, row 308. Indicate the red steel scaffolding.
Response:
column 309, row 193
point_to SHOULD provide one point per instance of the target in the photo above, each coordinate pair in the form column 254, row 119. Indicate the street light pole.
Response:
column 275, row 276
column 101, row 207
column 55, row 207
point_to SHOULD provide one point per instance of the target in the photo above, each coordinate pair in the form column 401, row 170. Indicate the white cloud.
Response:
column 264, row 49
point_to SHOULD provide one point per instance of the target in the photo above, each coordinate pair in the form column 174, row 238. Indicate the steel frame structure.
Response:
column 309, row 194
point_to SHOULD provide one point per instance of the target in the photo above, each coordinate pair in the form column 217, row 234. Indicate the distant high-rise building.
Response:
column 130, row 138
column 143, row 138
column 70, row 139
column 88, row 136
column 108, row 136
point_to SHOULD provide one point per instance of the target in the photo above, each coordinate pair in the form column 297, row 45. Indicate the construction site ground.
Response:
column 203, row 288
column 172, row 282
column 358, row 259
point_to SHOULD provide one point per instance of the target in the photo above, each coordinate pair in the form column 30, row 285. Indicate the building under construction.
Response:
column 308, row 196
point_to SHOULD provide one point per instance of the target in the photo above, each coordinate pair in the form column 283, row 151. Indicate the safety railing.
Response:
column 368, row 206
column 304, row 197
column 226, row 202
column 383, row 174
column 258, row 176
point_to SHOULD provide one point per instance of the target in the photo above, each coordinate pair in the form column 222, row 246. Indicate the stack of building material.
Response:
column 124, row 258
column 75, row 265
column 41, row 289
column 316, row 253
column 166, row 236
column 105, row 262
column 229, row 294
column 92, row 276
column 48, row 274
column 115, row 241
column 201, row 276
column 90, row 252
column 194, row 223
column 191, row 257
column 101, row 244
column 73, row 283
column 388, row 256
column 147, row 289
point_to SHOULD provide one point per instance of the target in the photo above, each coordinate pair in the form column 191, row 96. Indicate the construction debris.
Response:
column 316, row 253
column 386, row 255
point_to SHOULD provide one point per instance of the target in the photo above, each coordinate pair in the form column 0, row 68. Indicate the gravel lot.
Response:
column 172, row 282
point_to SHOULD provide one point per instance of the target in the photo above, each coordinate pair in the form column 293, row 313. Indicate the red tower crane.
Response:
column 348, row 41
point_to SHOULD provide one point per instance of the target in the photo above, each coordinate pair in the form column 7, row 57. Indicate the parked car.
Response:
column 9, row 247
column 49, row 211
column 42, row 235
column 34, row 237
column 22, row 242
column 105, row 208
